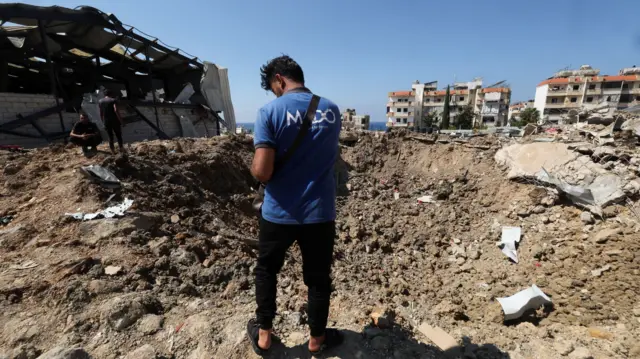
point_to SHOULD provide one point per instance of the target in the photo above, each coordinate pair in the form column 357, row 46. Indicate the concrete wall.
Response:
column 540, row 100
column 12, row 104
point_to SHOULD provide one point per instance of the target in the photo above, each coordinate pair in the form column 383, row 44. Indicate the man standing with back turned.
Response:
column 299, row 201
column 111, row 119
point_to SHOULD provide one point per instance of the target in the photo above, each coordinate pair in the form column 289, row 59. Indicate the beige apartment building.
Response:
column 355, row 122
column 561, row 97
column 516, row 109
column 490, row 104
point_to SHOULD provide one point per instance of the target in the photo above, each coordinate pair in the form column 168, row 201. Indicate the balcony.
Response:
column 554, row 105
column 574, row 92
column 399, row 104
column 433, row 104
column 571, row 104
column 595, row 91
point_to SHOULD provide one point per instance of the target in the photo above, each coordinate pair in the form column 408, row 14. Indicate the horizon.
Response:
column 356, row 63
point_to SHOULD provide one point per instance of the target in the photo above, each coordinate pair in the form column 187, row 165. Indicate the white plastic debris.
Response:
column 517, row 304
column 510, row 236
column 113, row 211
column 426, row 199
column 396, row 195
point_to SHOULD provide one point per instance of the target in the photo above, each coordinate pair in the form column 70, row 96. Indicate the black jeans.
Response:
column 316, row 244
column 92, row 141
column 114, row 127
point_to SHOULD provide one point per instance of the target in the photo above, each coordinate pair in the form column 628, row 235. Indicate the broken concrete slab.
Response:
column 526, row 160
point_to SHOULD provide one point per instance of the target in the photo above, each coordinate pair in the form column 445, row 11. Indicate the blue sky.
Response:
column 355, row 51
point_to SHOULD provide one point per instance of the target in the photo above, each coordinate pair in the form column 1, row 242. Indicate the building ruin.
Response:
column 57, row 61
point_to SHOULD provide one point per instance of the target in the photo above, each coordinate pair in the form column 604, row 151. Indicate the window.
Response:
column 427, row 100
column 592, row 87
column 576, row 87
column 625, row 98
column 637, row 98
column 438, row 100
column 461, row 98
column 574, row 99
column 405, row 109
column 589, row 99
column 554, row 100
column 608, row 98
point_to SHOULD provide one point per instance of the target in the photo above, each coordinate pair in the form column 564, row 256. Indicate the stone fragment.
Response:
column 65, row 353
column 150, row 324
column 580, row 353
column 606, row 234
column 112, row 270
column 587, row 217
column 563, row 347
column 382, row 318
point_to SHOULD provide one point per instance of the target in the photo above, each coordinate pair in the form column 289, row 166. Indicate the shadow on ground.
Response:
column 393, row 343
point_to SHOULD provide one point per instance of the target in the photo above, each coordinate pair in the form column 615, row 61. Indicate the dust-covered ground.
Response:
column 173, row 278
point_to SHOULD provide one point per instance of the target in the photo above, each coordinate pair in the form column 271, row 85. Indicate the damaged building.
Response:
column 57, row 61
column 570, row 96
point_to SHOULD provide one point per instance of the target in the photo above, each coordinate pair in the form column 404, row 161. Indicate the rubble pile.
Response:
column 172, row 278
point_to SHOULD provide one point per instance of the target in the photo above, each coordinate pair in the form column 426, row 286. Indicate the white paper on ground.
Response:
column 510, row 236
column 426, row 199
column 530, row 298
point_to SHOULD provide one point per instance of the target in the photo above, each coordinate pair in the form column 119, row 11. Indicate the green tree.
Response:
column 445, row 111
column 529, row 115
column 464, row 120
column 429, row 119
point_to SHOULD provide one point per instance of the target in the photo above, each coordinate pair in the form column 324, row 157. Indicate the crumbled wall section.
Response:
column 12, row 104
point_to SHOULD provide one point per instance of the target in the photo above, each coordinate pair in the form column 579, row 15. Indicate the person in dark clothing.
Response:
column 86, row 134
column 111, row 119
column 299, row 201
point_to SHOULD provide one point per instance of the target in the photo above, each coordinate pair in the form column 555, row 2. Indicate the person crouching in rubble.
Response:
column 111, row 118
column 299, row 199
column 86, row 134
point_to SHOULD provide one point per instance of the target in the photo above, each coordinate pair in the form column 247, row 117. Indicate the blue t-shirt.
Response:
column 303, row 190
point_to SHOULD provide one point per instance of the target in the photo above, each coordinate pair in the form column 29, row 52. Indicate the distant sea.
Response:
column 374, row 126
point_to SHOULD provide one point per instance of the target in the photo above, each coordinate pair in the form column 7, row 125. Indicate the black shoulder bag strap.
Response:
column 306, row 125
column 304, row 128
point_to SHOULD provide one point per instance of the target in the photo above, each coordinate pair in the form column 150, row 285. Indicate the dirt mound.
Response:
column 172, row 279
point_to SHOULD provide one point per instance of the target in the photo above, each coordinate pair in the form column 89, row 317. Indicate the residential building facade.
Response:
column 516, row 109
column 356, row 122
column 406, row 108
column 560, row 98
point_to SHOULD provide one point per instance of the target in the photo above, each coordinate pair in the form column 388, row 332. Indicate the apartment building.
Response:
column 491, row 104
column 357, row 122
column 516, row 109
column 561, row 97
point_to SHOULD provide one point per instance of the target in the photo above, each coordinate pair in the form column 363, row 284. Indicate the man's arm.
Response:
column 74, row 134
column 262, row 166
column 115, row 108
column 101, row 111
column 265, row 144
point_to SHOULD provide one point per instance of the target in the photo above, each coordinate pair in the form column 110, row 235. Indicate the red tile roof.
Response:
column 400, row 93
column 565, row 80
column 496, row 89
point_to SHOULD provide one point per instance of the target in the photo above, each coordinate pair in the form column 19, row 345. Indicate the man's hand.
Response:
column 262, row 166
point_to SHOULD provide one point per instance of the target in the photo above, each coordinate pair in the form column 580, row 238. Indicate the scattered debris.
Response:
column 426, row 199
column 101, row 176
column 516, row 305
column 175, row 219
column 509, row 242
column 112, row 270
column 5, row 220
column 114, row 211
column 598, row 272
column 439, row 337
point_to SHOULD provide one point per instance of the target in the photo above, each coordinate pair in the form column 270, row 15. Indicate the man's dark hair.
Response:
column 284, row 66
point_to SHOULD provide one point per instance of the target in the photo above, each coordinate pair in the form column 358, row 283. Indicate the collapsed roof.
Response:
column 88, row 48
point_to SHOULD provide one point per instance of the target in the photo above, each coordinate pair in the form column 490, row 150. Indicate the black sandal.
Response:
column 332, row 339
column 253, row 332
